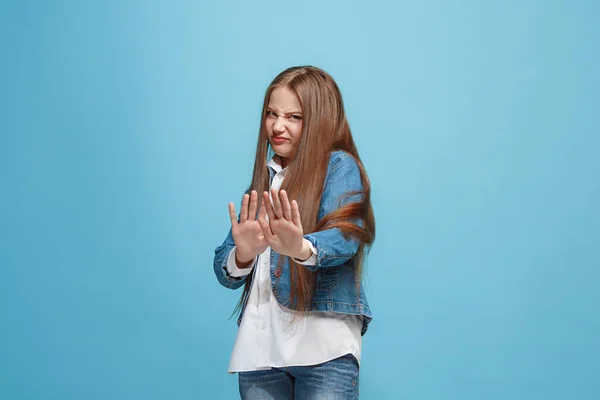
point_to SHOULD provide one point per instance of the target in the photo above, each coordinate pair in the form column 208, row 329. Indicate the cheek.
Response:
column 297, row 132
column 268, row 125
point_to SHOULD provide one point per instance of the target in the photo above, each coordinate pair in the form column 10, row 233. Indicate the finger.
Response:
column 253, row 205
column 268, row 206
column 262, row 211
column 244, row 212
column 296, row 214
column 285, row 205
column 232, row 215
column 276, row 203
column 264, row 224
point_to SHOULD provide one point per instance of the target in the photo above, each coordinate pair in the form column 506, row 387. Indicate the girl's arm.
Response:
column 243, row 240
column 221, row 260
column 332, row 247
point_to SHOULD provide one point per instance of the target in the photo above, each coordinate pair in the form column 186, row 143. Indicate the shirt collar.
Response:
column 274, row 166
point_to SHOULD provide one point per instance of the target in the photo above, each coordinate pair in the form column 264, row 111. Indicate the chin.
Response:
column 280, row 152
column 283, row 154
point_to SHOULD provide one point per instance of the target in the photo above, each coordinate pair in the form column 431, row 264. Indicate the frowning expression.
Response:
column 283, row 122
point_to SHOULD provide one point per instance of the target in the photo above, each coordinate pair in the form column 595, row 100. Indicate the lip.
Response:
column 278, row 139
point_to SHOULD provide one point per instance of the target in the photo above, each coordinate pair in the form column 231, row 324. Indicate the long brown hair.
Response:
column 324, row 129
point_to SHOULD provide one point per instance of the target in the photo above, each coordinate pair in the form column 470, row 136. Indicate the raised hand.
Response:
column 247, row 233
column 283, row 231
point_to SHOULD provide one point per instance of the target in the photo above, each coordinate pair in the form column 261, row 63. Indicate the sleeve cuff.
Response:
column 232, row 268
column 312, row 260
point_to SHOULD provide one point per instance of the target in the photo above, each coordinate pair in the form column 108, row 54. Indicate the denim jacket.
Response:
column 336, row 289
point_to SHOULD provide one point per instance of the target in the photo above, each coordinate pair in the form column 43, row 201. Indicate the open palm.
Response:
column 283, row 231
column 247, row 233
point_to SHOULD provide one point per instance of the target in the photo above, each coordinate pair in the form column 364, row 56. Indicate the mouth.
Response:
column 278, row 139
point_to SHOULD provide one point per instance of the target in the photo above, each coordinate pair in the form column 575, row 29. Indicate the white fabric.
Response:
column 236, row 272
column 269, row 336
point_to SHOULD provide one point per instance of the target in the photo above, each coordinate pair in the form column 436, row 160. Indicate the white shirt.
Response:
column 268, row 336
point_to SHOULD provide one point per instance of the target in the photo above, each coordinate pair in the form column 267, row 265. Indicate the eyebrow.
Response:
column 288, row 113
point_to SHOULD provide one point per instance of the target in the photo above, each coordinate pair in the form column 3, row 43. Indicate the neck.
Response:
column 281, row 161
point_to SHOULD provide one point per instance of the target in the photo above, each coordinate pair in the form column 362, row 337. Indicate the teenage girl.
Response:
column 298, row 246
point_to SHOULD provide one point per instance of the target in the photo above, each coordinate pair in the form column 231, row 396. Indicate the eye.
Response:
column 297, row 117
column 271, row 114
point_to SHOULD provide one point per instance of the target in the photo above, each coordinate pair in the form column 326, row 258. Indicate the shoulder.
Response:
column 340, row 160
column 343, row 171
column 343, row 178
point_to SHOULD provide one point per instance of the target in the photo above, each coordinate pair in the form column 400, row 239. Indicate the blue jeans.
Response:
column 333, row 380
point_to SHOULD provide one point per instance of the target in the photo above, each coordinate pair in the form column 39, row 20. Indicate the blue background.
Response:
column 127, row 127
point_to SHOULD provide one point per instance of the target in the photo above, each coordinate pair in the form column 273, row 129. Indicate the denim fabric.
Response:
column 336, row 288
column 333, row 380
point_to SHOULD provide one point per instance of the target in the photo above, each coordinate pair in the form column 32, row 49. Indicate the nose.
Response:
column 278, row 126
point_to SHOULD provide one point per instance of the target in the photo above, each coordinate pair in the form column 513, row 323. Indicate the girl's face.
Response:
column 283, row 122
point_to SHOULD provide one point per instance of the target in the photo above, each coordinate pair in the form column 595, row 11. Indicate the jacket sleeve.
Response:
column 220, row 264
column 332, row 247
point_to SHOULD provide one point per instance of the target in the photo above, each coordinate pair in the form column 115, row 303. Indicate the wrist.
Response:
column 242, row 262
column 305, row 251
